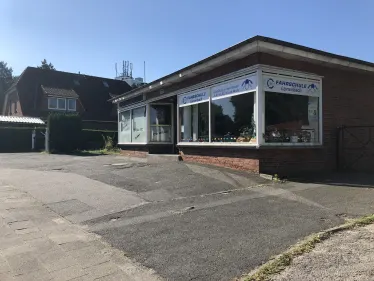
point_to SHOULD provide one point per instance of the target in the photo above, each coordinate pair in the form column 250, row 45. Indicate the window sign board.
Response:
column 194, row 97
column 291, row 85
column 235, row 87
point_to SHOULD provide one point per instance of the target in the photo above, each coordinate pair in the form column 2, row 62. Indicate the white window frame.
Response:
column 68, row 104
column 259, row 111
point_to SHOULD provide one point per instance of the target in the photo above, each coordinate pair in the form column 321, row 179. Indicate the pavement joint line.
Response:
column 148, row 218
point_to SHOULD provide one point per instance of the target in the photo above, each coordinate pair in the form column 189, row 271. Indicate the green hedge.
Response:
column 65, row 132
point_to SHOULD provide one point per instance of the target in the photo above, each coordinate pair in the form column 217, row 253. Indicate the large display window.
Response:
column 292, row 110
column 233, row 119
column 194, row 123
column 223, row 113
column 291, row 118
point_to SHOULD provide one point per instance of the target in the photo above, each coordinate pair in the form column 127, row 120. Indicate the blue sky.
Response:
column 90, row 36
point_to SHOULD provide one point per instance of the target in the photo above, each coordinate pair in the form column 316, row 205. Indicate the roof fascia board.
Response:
column 271, row 47
column 247, row 50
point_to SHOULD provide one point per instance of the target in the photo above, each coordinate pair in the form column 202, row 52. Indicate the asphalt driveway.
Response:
column 185, row 221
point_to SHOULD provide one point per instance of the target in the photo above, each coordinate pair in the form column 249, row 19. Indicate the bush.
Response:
column 65, row 132
column 95, row 139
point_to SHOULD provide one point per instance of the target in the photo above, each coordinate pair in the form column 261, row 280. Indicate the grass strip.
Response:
column 280, row 262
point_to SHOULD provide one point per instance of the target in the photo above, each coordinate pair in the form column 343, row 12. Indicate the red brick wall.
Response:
column 133, row 152
column 224, row 157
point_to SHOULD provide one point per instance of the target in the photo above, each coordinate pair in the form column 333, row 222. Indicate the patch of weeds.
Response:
column 279, row 263
column 278, row 179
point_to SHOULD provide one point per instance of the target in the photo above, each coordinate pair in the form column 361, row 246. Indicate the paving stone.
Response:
column 21, row 248
column 32, row 236
column 5, row 231
column 101, row 270
column 10, row 241
column 56, row 260
column 119, row 276
column 74, row 245
column 65, row 238
column 39, row 275
column 43, row 245
column 21, row 224
column 6, row 277
column 26, row 230
column 68, row 273
column 24, row 263
column 4, row 267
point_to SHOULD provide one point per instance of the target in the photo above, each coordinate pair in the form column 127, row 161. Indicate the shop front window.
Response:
column 160, row 119
column 233, row 119
column 132, row 126
column 194, row 125
column 291, row 118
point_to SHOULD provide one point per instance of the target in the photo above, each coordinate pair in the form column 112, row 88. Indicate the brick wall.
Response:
column 241, row 159
column 133, row 152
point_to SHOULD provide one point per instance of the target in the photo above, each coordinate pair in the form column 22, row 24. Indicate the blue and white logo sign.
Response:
column 292, row 86
column 194, row 97
column 235, row 87
column 312, row 88
column 270, row 83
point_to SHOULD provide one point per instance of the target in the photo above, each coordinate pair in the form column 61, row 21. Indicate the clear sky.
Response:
column 90, row 36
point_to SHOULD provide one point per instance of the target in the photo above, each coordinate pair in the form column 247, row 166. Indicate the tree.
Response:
column 46, row 65
column 6, row 80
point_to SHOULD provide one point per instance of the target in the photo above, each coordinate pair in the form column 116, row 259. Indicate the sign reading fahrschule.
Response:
column 194, row 97
column 286, row 85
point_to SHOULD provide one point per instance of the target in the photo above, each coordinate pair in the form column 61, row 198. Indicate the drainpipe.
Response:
column 46, row 144
column 33, row 135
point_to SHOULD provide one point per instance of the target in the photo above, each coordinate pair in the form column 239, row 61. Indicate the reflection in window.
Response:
column 139, row 125
column 72, row 105
column 233, row 119
column 291, row 118
column 124, row 129
column 194, row 123
column 52, row 103
column 160, row 123
column 61, row 103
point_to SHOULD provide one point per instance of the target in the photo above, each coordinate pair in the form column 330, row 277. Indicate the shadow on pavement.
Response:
column 349, row 179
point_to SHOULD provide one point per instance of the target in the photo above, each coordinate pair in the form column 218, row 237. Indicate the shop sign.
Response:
column 194, row 97
column 281, row 84
column 235, row 87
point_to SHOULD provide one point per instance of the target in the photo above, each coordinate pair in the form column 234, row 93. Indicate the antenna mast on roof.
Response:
column 144, row 71
column 123, row 68
column 116, row 71
column 131, row 66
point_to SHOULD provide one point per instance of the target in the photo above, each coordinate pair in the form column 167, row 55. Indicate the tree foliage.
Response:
column 6, row 80
column 46, row 65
